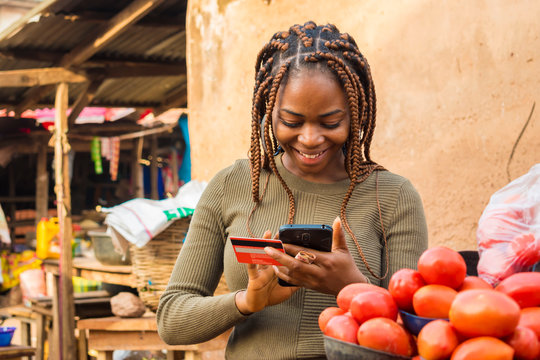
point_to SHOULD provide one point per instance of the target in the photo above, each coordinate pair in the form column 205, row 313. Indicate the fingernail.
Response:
column 276, row 270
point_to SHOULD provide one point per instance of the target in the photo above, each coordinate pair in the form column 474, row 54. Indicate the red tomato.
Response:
column 342, row 327
column 327, row 314
column 530, row 317
column 385, row 335
column 527, row 249
column 483, row 347
column 495, row 265
column 484, row 312
column 443, row 266
column 474, row 282
column 402, row 286
column 433, row 301
column 372, row 304
column 437, row 340
column 523, row 287
column 346, row 294
column 525, row 343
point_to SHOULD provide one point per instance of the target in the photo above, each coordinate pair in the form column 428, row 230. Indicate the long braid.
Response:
column 304, row 46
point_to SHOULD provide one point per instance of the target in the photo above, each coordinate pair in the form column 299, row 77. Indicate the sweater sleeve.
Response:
column 406, row 235
column 188, row 313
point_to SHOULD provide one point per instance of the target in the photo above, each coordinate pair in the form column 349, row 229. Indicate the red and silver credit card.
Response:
column 251, row 250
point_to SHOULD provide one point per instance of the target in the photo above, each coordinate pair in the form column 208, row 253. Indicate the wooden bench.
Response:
column 105, row 335
column 16, row 351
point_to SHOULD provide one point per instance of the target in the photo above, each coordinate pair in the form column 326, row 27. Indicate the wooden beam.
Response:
column 19, row 24
column 116, row 26
column 66, row 307
column 42, row 181
column 173, row 23
column 84, row 99
column 38, row 77
column 154, row 168
column 97, row 61
column 138, row 70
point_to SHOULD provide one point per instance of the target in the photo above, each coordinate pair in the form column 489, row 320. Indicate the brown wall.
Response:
column 455, row 82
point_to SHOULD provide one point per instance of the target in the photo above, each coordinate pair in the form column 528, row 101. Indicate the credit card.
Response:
column 251, row 250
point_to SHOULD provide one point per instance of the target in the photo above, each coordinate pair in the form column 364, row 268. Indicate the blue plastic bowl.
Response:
column 6, row 334
column 415, row 323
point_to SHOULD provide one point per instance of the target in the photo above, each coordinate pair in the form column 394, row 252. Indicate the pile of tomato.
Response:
column 471, row 318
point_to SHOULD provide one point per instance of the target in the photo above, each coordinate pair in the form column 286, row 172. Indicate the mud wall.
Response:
column 455, row 81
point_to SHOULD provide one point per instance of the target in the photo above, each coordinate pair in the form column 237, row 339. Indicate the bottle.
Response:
column 46, row 232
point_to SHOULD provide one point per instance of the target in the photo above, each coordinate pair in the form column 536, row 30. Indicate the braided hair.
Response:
column 324, row 48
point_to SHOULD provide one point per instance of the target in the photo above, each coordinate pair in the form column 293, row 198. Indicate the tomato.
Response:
column 483, row 347
column 495, row 265
column 530, row 317
column 437, row 340
column 327, row 314
column 443, row 266
column 342, row 327
column 484, row 312
column 525, row 343
column 402, row 286
column 523, row 287
column 527, row 249
column 371, row 304
column 385, row 335
column 433, row 301
column 474, row 282
column 346, row 294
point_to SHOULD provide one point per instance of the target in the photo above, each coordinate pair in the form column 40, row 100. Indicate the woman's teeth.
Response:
column 310, row 156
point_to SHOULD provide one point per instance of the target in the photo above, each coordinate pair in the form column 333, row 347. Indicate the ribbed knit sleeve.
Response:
column 406, row 231
column 187, row 312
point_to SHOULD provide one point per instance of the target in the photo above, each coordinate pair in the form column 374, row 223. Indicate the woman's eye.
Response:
column 291, row 124
column 331, row 126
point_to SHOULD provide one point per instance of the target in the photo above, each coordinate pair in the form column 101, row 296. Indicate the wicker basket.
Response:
column 153, row 263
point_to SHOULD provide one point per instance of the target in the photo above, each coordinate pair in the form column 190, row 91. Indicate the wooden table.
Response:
column 114, row 333
column 16, row 351
column 91, row 269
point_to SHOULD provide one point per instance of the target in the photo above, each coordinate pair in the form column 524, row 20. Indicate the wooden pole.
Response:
column 136, row 170
column 154, row 168
column 42, row 181
column 66, row 309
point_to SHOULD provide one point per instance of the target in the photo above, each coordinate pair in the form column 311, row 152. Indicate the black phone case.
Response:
column 318, row 237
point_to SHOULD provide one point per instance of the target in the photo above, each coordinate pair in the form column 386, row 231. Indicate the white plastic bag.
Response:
column 139, row 220
column 508, row 233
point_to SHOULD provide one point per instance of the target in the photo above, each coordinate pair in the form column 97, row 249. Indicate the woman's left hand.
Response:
column 328, row 273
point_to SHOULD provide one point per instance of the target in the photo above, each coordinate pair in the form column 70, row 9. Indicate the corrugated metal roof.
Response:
column 158, row 39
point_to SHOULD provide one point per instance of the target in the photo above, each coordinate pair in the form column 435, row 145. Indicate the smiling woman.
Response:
column 313, row 118
column 312, row 129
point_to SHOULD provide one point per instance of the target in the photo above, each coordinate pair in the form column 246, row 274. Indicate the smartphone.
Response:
column 318, row 237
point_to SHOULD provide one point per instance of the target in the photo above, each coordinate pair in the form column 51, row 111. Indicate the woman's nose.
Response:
column 310, row 136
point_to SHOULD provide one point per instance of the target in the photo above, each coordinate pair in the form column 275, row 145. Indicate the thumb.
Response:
column 338, row 236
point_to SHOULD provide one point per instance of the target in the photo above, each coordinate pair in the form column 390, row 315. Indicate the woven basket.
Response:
column 152, row 264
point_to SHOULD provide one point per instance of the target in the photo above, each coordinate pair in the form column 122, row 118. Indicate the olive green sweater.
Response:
column 189, row 314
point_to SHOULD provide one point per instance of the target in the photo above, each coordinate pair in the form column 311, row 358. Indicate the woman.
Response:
column 313, row 118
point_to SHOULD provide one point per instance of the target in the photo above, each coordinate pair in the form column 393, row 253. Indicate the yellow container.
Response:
column 46, row 241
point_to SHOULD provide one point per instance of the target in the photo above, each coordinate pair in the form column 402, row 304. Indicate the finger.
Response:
column 338, row 236
column 279, row 256
column 252, row 270
column 284, row 276
column 267, row 234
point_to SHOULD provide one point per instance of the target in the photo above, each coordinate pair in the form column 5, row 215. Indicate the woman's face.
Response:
column 311, row 122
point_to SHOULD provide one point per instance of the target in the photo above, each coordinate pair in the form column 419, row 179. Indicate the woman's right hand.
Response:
column 263, row 289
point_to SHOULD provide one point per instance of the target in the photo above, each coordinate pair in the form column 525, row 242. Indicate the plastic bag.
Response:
column 508, row 232
column 139, row 220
